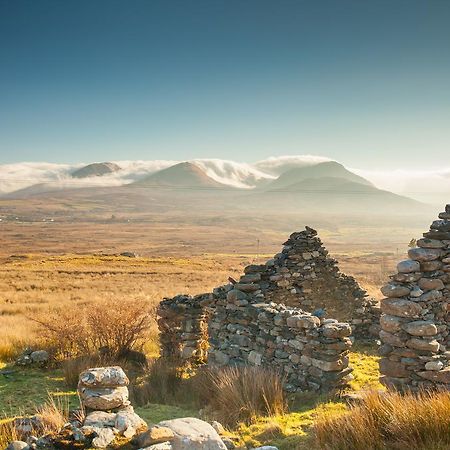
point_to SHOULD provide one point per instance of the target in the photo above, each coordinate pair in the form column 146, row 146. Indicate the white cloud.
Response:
column 278, row 164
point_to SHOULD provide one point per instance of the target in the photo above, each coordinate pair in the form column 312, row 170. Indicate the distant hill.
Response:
column 329, row 169
column 185, row 174
column 96, row 170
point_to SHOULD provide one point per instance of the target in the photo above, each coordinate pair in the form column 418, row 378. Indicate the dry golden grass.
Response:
column 389, row 421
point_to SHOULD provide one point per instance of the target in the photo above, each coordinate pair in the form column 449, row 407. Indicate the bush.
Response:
column 389, row 421
column 240, row 394
column 81, row 331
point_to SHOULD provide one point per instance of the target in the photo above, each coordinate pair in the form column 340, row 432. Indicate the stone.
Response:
column 434, row 365
column 408, row 266
column 393, row 368
column 161, row 446
column 193, row 434
column 104, row 437
column 442, row 376
column 430, row 243
column 154, row 435
column 218, row 427
column 39, row 356
column 420, row 328
column 421, row 344
column 17, row 445
column 431, row 284
column 104, row 399
column 100, row 419
column 391, row 339
column 400, row 307
column 265, row 447
column 430, row 266
column 104, row 377
column 330, row 366
column 390, row 323
column 336, row 330
column 128, row 422
column 424, row 254
column 395, row 290
column 255, row 358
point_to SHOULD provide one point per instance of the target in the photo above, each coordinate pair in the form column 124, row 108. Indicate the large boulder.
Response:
column 193, row 434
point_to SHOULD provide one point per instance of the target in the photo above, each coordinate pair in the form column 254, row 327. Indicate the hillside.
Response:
column 96, row 170
column 186, row 174
column 329, row 169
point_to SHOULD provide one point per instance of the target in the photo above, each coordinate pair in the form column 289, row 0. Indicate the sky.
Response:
column 362, row 82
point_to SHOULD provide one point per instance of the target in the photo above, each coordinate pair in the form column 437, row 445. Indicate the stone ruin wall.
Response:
column 304, row 276
column 415, row 325
column 311, row 353
column 258, row 320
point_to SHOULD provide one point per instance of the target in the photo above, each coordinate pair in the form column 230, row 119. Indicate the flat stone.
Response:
column 430, row 296
column 336, row 330
column 100, row 419
column 430, row 266
column 39, row 356
column 421, row 344
column 434, row 365
column 420, row 328
column 330, row 366
column 393, row 368
column 424, row 254
column 17, row 445
column 391, row 339
column 104, row 399
column 408, row 266
column 400, row 307
column 429, row 284
column 391, row 324
column 154, row 435
column 395, row 290
column 161, row 446
column 442, row 376
column 247, row 287
column 104, row 377
column 430, row 243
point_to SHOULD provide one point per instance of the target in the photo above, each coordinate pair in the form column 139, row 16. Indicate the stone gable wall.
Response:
column 415, row 315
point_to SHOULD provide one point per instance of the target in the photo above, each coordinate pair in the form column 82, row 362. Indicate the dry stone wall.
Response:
column 261, row 319
column 310, row 352
column 415, row 325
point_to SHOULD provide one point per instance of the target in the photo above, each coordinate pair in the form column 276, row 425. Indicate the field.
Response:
column 49, row 266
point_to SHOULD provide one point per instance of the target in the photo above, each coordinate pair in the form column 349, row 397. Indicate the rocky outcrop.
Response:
column 414, row 323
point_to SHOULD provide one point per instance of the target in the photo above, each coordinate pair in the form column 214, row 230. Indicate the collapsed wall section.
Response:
column 415, row 315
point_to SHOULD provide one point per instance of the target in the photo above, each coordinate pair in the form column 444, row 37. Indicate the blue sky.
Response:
column 363, row 82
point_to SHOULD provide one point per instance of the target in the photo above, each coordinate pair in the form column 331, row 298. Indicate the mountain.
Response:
column 96, row 170
column 328, row 169
column 184, row 174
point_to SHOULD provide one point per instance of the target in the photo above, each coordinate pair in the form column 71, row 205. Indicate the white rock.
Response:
column 104, row 437
column 128, row 422
column 104, row 399
column 100, row 419
column 104, row 377
column 193, row 434
column 161, row 446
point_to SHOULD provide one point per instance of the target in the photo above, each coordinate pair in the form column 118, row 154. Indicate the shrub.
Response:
column 240, row 394
column 389, row 421
column 85, row 330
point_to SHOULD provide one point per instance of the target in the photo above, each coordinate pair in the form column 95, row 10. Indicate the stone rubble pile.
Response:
column 415, row 326
column 30, row 357
column 103, row 393
column 311, row 352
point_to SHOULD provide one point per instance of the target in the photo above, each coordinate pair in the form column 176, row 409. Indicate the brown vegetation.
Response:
column 385, row 421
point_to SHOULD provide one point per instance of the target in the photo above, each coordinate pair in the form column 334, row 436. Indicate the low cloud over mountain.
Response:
column 429, row 186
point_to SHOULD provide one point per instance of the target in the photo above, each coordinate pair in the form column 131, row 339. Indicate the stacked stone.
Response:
column 303, row 275
column 310, row 352
column 103, row 393
column 415, row 315
column 183, row 328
